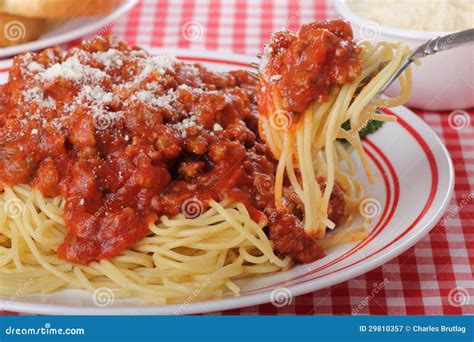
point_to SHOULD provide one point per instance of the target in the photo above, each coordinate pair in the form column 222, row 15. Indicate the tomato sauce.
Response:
column 126, row 137
column 304, row 67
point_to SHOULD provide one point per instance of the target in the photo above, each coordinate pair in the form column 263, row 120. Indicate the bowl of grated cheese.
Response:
column 444, row 81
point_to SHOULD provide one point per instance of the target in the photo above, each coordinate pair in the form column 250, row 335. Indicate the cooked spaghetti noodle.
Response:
column 178, row 256
column 160, row 180
column 308, row 141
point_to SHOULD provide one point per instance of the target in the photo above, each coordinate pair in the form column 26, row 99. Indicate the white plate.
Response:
column 69, row 30
column 415, row 183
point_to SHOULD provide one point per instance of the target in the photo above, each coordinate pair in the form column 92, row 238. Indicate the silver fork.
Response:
column 432, row 46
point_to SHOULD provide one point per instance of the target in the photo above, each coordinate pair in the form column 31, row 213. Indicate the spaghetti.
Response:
column 178, row 256
column 160, row 179
column 306, row 141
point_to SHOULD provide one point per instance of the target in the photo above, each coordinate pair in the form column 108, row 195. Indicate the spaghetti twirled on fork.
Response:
column 312, row 84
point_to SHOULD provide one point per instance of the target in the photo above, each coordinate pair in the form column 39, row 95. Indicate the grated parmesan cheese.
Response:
column 275, row 78
column 217, row 127
column 36, row 95
column 35, row 66
column 109, row 58
column 425, row 15
column 185, row 124
column 99, row 89
column 73, row 70
column 159, row 63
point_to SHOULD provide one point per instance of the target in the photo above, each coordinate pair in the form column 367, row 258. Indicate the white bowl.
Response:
column 444, row 81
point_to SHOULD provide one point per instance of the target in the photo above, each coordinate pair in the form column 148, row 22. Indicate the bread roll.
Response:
column 16, row 30
column 57, row 9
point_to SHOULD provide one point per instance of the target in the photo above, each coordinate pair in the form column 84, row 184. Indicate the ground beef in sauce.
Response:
column 127, row 137
column 306, row 66
column 295, row 70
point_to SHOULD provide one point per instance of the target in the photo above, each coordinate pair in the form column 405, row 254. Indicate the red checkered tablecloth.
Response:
column 434, row 276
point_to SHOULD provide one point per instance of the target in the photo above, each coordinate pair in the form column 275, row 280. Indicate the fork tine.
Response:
column 255, row 65
column 253, row 74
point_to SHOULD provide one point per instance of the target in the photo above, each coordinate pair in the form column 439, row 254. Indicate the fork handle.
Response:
column 432, row 46
column 442, row 43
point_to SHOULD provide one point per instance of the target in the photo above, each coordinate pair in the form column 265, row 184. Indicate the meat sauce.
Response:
column 295, row 70
column 126, row 137
column 304, row 67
